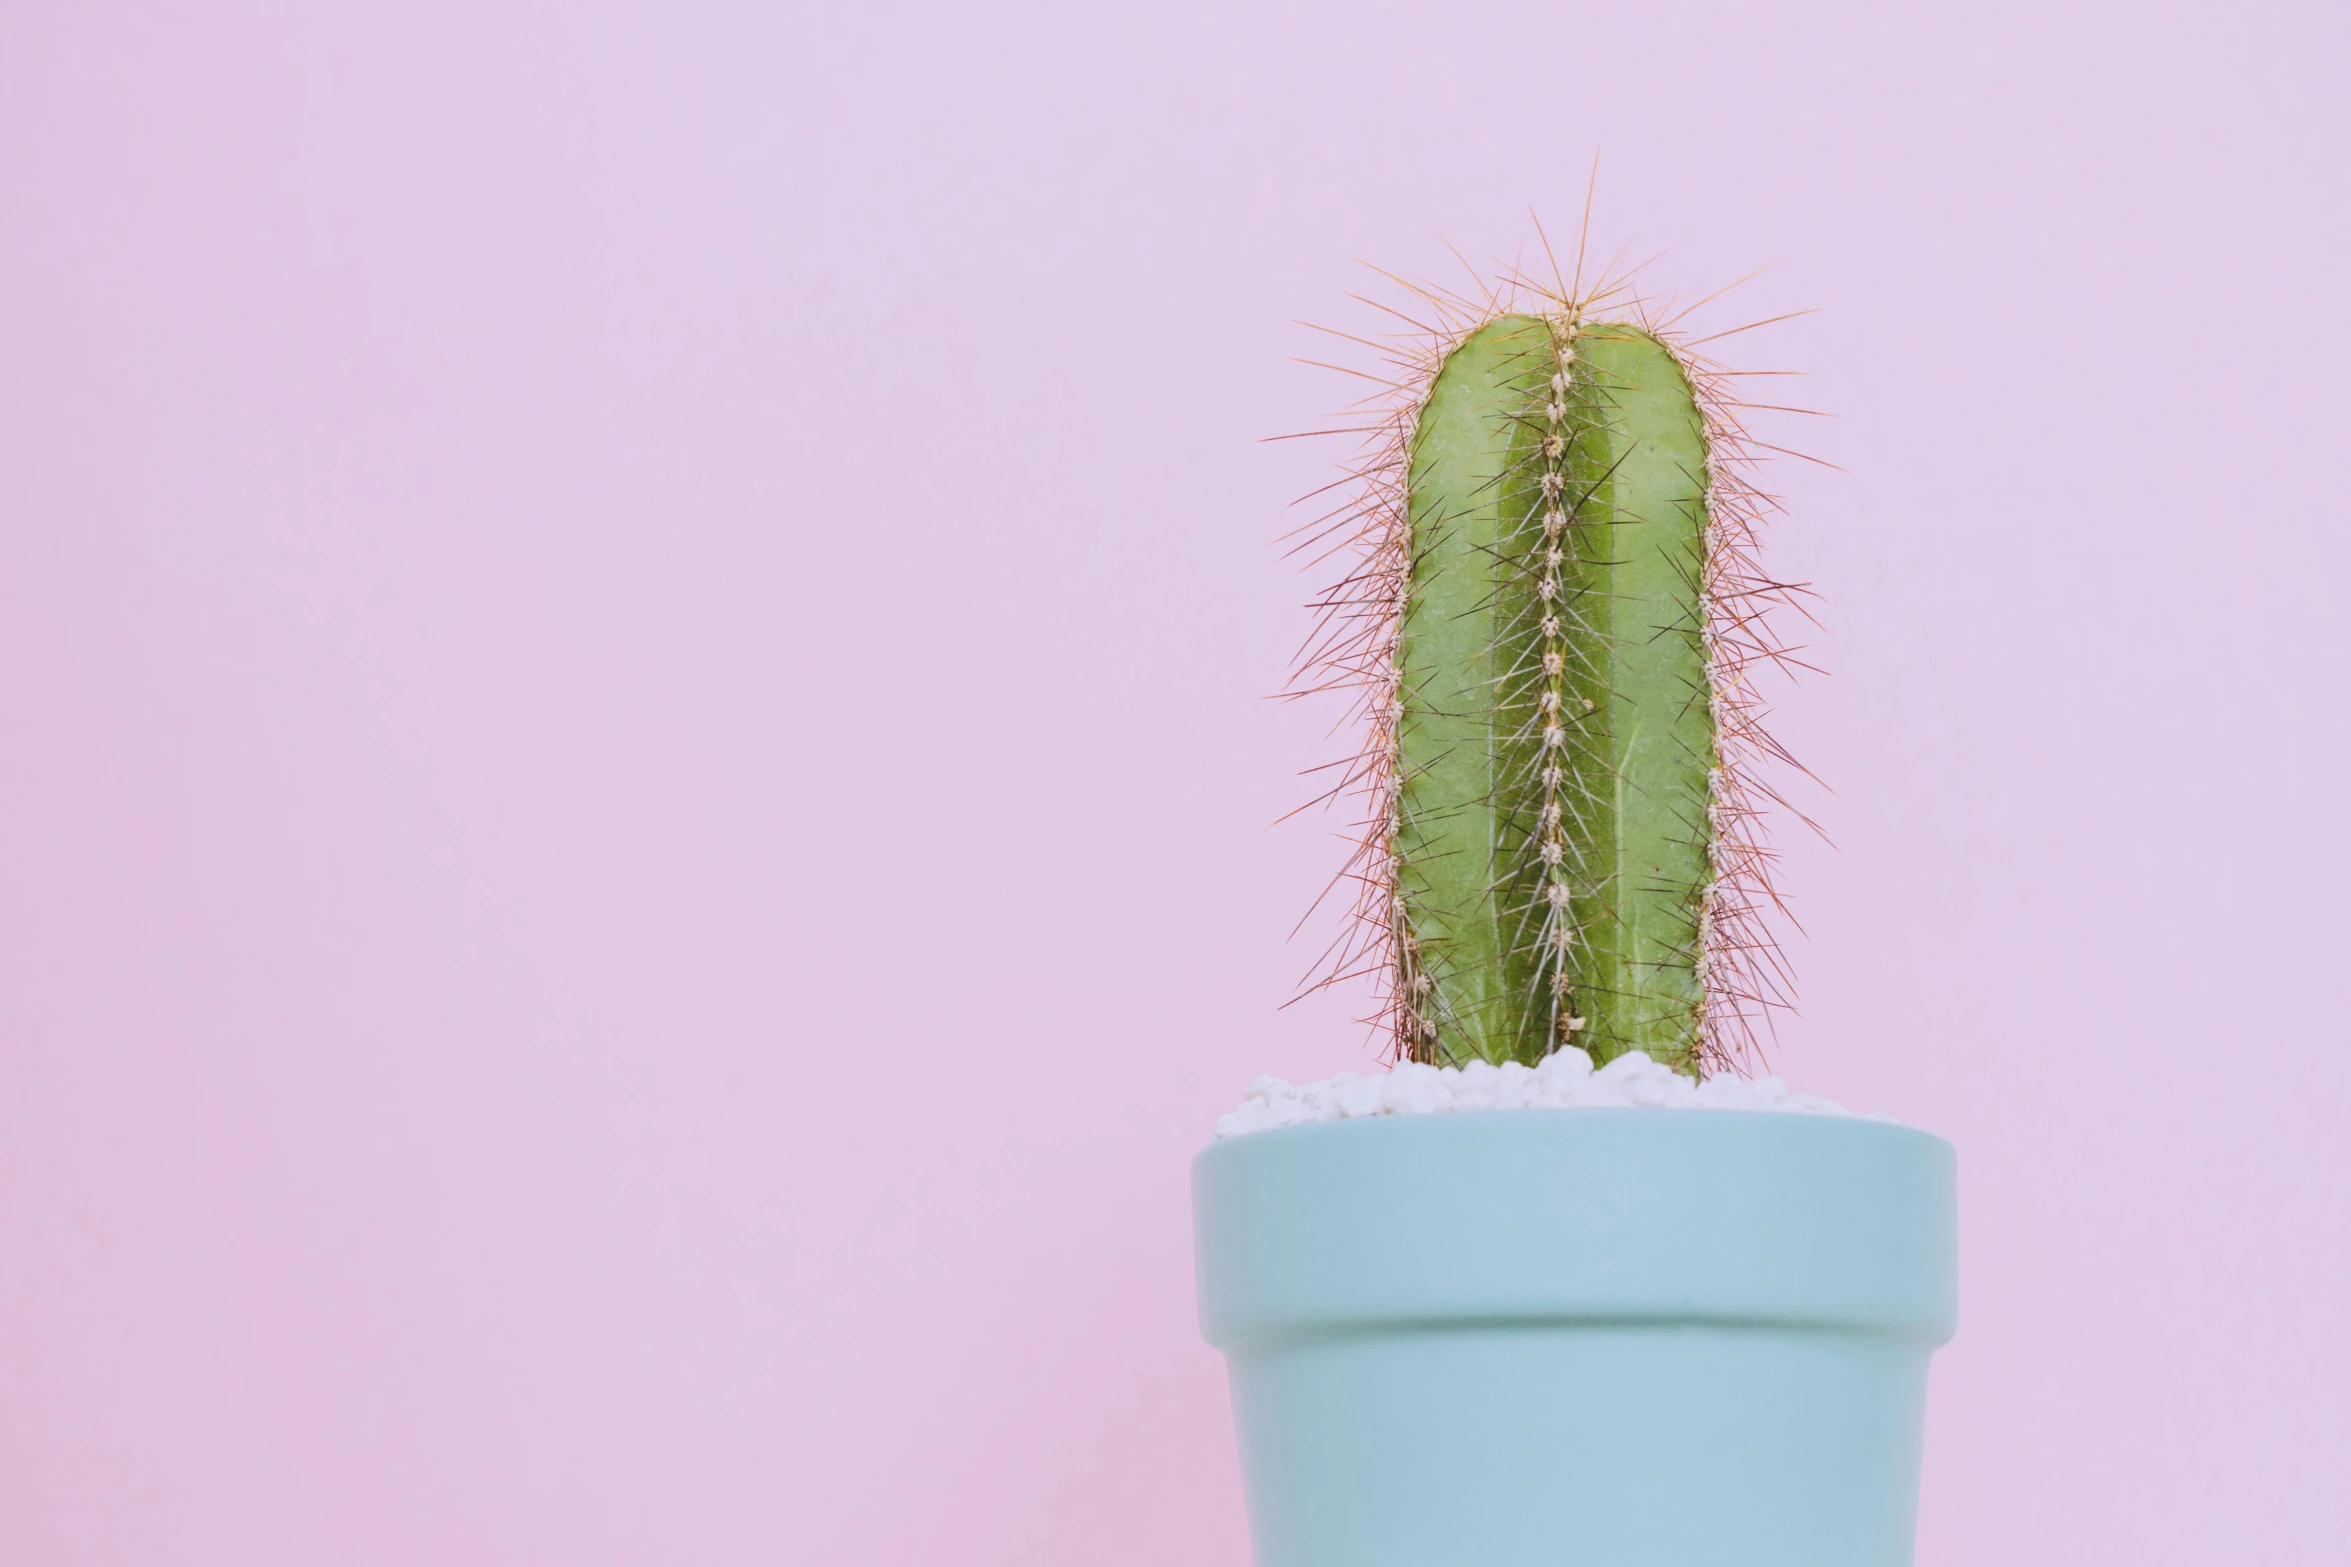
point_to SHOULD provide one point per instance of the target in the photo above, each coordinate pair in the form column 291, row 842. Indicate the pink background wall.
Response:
column 633, row 794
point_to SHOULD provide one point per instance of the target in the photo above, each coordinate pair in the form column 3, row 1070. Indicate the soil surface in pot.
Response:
column 1566, row 1080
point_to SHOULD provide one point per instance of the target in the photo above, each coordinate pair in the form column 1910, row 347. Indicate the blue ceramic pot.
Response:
column 1611, row 1338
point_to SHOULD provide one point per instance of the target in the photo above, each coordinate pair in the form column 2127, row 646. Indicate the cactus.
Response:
column 1554, row 626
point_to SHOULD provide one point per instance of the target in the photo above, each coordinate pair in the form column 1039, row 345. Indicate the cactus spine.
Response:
column 1555, row 744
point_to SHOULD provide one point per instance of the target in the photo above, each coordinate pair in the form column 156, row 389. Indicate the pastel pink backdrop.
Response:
column 634, row 790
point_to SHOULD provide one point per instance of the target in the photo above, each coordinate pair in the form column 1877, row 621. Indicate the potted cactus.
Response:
column 1617, row 1313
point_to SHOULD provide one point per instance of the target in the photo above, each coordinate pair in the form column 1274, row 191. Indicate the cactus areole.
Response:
column 1554, row 737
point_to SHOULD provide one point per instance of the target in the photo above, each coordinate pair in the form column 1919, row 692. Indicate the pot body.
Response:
column 1622, row 1338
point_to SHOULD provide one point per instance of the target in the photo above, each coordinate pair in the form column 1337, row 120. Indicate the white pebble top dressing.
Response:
column 1565, row 1081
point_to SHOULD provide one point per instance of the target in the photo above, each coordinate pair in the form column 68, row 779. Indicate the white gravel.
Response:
column 1565, row 1081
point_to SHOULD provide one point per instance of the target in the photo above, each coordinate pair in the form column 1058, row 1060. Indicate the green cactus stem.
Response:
column 1553, row 839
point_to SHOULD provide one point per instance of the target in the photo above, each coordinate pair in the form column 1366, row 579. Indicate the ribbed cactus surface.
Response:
column 1553, row 838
